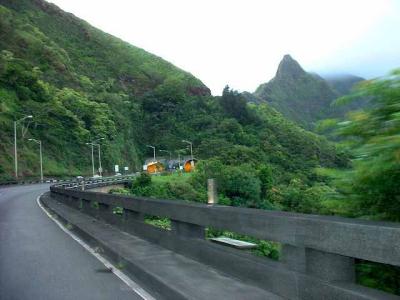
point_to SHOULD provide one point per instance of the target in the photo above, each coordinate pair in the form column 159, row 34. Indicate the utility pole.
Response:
column 92, row 145
column 100, row 168
column 41, row 157
column 15, row 144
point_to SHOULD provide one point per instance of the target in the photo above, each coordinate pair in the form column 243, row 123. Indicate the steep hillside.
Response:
column 305, row 97
column 78, row 82
column 81, row 84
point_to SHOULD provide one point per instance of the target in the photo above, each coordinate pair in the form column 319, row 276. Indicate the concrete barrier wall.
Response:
column 317, row 256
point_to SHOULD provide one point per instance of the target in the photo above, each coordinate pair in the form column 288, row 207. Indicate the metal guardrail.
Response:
column 318, row 252
column 32, row 181
column 91, row 182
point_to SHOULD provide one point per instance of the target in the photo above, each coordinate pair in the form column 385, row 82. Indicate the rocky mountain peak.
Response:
column 288, row 67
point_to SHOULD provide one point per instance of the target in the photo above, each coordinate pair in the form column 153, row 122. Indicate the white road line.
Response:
column 129, row 282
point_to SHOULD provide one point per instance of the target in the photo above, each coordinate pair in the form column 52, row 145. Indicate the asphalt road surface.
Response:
column 39, row 261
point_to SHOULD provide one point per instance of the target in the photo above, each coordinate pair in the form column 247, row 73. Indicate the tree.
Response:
column 235, row 105
column 372, row 136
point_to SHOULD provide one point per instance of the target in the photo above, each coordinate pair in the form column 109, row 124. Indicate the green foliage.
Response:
column 120, row 191
column 235, row 105
column 163, row 223
column 241, row 185
column 372, row 136
column 264, row 248
column 266, row 179
column 142, row 180
column 384, row 277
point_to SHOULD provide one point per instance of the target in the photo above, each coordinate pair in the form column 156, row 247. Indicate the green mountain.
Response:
column 304, row 97
column 81, row 84
column 78, row 82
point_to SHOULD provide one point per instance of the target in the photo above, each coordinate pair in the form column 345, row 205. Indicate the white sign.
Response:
column 126, row 168
column 144, row 167
column 100, row 170
column 116, row 168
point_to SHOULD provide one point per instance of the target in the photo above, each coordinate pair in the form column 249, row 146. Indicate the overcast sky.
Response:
column 240, row 42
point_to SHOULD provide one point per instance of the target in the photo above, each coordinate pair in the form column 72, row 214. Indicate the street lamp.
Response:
column 179, row 157
column 191, row 147
column 191, row 151
column 15, row 143
column 154, row 151
column 92, row 144
column 41, row 158
column 100, row 168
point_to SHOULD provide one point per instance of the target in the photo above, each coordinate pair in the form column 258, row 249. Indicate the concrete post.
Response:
column 212, row 192
column 323, row 265
column 329, row 266
column 294, row 257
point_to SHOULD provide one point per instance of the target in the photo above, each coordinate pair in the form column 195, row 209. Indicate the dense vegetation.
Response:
column 81, row 84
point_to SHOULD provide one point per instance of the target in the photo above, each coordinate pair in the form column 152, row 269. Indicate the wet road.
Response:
column 39, row 261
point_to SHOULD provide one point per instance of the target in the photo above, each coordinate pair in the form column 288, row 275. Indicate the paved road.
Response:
column 39, row 261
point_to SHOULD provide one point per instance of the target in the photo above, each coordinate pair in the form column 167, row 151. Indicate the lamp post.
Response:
column 191, row 152
column 92, row 145
column 15, row 143
column 154, row 151
column 41, row 157
column 191, row 148
column 100, row 168
column 179, row 157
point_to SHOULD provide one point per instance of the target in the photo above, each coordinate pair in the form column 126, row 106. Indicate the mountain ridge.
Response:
column 302, row 96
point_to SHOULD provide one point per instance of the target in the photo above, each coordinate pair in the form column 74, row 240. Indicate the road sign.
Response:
column 126, row 168
column 116, row 168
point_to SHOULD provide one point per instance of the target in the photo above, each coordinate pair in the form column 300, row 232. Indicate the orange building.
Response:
column 155, row 167
column 188, row 165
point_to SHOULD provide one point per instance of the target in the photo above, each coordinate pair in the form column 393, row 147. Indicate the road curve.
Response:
column 39, row 261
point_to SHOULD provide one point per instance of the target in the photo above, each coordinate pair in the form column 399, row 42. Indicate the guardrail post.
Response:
column 85, row 205
column 104, row 212
column 329, row 266
column 294, row 257
column 322, row 265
